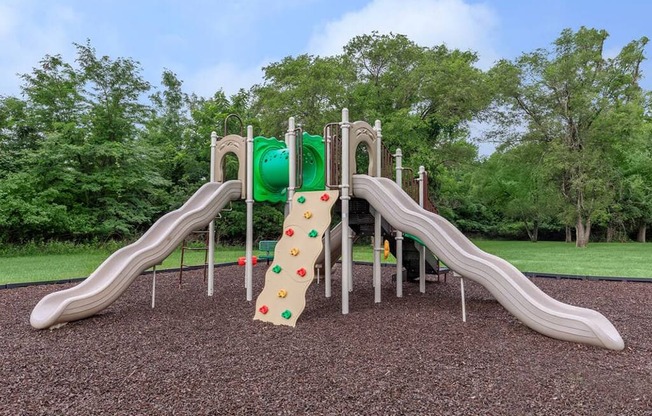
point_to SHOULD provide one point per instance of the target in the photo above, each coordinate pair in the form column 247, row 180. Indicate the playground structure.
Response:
column 312, row 178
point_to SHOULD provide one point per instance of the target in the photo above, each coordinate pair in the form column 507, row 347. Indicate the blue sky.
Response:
column 224, row 44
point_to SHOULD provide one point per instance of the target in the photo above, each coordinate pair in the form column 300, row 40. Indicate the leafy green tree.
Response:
column 637, row 181
column 457, row 201
column 88, row 176
column 513, row 182
column 386, row 73
column 18, row 135
column 312, row 89
column 166, row 132
column 425, row 97
column 565, row 97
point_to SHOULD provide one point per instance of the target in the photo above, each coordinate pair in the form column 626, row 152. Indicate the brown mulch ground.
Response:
column 195, row 355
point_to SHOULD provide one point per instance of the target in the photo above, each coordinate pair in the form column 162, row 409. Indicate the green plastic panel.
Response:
column 272, row 167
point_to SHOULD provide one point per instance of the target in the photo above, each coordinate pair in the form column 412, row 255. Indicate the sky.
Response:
column 214, row 45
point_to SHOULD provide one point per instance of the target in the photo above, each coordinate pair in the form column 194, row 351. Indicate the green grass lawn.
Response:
column 82, row 262
column 599, row 259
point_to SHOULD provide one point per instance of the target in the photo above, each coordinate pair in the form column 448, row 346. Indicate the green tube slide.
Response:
column 272, row 167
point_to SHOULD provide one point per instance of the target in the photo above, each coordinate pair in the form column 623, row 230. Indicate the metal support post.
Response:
column 154, row 287
column 292, row 156
column 211, row 226
column 250, row 213
column 463, row 300
column 378, row 238
column 327, row 233
column 399, row 234
column 346, row 241
column 422, row 248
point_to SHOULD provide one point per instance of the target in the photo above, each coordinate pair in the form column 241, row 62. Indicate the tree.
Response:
column 167, row 131
column 513, row 182
column 425, row 96
column 385, row 69
column 565, row 97
column 637, row 181
column 18, row 135
column 312, row 89
column 86, row 174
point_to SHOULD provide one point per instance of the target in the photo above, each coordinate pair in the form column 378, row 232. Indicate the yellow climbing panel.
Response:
column 287, row 279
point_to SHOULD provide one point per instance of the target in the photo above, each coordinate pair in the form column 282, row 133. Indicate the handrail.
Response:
column 332, row 150
column 226, row 120
column 299, row 156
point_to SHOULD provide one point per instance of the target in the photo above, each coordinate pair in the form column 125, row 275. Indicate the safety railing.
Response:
column 333, row 150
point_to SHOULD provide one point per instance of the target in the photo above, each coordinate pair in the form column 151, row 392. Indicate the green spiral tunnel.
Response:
column 272, row 167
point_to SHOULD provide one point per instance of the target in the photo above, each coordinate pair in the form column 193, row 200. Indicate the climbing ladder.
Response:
column 186, row 245
column 286, row 281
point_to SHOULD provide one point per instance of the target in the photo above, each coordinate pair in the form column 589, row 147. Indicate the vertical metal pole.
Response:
column 292, row 156
column 422, row 249
column 463, row 300
column 346, row 241
column 378, row 238
column 327, row 233
column 249, row 271
column 211, row 225
column 350, row 258
column 399, row 234
column 154, row 288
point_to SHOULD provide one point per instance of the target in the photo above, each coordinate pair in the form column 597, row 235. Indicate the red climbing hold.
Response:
column 325, row 197
column 289, row 232
column 243, row 260
column 263, row 309
column 301, row 272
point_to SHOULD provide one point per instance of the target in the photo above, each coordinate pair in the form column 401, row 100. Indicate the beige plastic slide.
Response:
column 117, row 272
column 509, row 286
column 336, row 246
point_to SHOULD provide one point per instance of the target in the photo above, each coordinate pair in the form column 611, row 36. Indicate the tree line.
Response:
column 91, row 151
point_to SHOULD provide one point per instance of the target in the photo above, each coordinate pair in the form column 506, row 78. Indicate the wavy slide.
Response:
column 336, row 246
column 510, row 287
column 117, row 272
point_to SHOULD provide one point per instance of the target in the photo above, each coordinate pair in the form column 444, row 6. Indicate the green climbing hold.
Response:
column 276, row 269
column 286, row 314
column 301, row 199
column 313, row 233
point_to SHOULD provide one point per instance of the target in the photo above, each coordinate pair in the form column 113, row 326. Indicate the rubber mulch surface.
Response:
column 199, row 355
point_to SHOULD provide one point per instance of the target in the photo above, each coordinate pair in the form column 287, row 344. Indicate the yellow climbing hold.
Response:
column 294, row 251
column 282, row 293
column 307, row 215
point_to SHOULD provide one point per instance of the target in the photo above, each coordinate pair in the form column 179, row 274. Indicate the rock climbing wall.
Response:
column 287, row 279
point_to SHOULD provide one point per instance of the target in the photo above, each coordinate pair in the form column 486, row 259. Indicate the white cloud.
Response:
column 225, row 75
column 427, row 22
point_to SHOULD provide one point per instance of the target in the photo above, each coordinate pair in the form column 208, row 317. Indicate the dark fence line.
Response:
column 528, row 274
